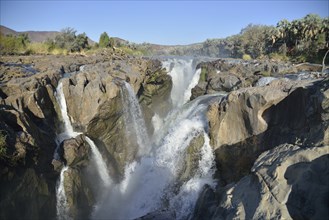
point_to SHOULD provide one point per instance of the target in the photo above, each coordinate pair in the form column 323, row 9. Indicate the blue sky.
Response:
column 162, row 22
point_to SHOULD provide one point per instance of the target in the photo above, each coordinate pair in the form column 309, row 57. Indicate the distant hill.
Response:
column 35, row 36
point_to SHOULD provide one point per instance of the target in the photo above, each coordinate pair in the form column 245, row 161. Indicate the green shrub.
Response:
column 104, row 40
column 246, row 57
column 37, row 48
column 12, row 45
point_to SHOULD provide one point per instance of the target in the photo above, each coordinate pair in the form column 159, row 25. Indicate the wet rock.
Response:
column 76, row 151
column 192, row 158
column 85, row 93
column 154, row 95
column 57, row 164
column 78, row 194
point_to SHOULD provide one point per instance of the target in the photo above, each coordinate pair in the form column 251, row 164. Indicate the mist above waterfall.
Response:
column 182, row 71
column 154, row 181
column 165, row 175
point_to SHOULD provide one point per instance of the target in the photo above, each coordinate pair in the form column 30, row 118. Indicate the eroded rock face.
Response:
column 286, row 182
column 155, row 95
column 231, row 74
column 76, row 151
column 26, row 191
column 26, row 180
column 78, row 194
column 95, row 104
column 252, row 120
column 30, row 119
column 85, row 93
column 192, row 158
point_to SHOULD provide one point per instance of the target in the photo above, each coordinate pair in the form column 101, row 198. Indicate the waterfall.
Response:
column 101, row 168
column 184, row 202
column 134, row 119
column 154, row 181
column 156, row 122
column 150, row 183
column 68, row 129
column 100, row 163
column 69, row 133
column 61, row 203
column 194, row 82
column 182, row 72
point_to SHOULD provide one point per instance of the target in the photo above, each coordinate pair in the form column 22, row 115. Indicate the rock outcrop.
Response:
column 229, row 74
column 30, row 119
column 27, row 179
column 154, row 94
column 252, row 120
column 271, row 148
column 76, row 151
column 79, row 196
column 287, row 182
column 95, row 104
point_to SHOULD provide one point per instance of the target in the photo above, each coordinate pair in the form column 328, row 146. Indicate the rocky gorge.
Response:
column 110, row 136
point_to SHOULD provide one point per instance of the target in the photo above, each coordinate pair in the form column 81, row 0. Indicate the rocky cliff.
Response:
column 31, row 119
column 231, row 74
column 270, row 144
column 270, row 137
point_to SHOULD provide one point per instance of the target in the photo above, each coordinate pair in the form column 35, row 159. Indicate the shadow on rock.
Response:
column 309, row 197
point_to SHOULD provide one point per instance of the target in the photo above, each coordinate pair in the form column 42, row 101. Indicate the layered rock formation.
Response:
column 30, row 120
column 270, row 144
column 253, row 120
column 287, row 182
column 229, row 74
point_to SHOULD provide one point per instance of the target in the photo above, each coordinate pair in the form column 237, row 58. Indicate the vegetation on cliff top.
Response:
column 305, row 39
column 301, row 40
column 63, row 44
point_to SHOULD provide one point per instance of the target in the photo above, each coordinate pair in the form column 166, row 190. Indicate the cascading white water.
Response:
column 190, row 190
column 148, row 184
column 101, row 168
column 151, row 183
column 61, row 203
column 69, row 133
column 156, row 122
column 134, row 117
column 100, row 163
column 183, row 76
column 68, row 129
column 193, row 83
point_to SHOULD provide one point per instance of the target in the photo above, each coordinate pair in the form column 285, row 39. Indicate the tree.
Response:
column 80, row 42
column 255, row 39
column 13, row 44
column 66, row 38
column 104, row 40
column 112, row 42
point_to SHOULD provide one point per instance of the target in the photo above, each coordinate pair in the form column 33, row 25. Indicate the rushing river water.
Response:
column 157, row 181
